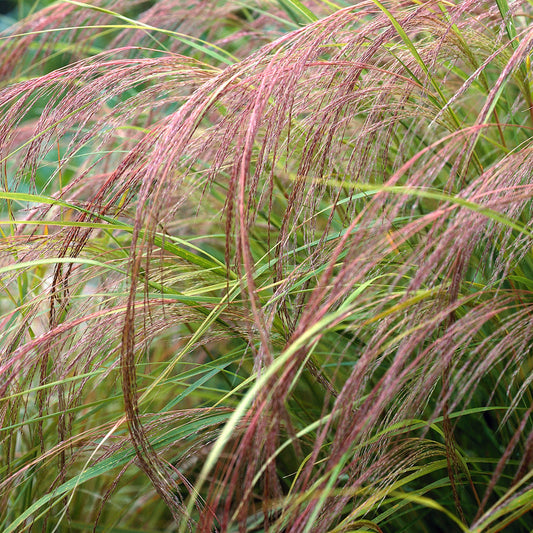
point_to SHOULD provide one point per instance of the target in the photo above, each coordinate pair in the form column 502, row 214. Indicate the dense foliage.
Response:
column 266, row 266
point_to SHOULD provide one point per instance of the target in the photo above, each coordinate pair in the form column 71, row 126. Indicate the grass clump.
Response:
column 266, row 267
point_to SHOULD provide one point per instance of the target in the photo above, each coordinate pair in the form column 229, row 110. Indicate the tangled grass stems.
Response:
column 266, row 266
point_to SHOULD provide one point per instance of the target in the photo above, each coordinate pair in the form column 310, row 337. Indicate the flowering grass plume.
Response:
column 267, row 266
